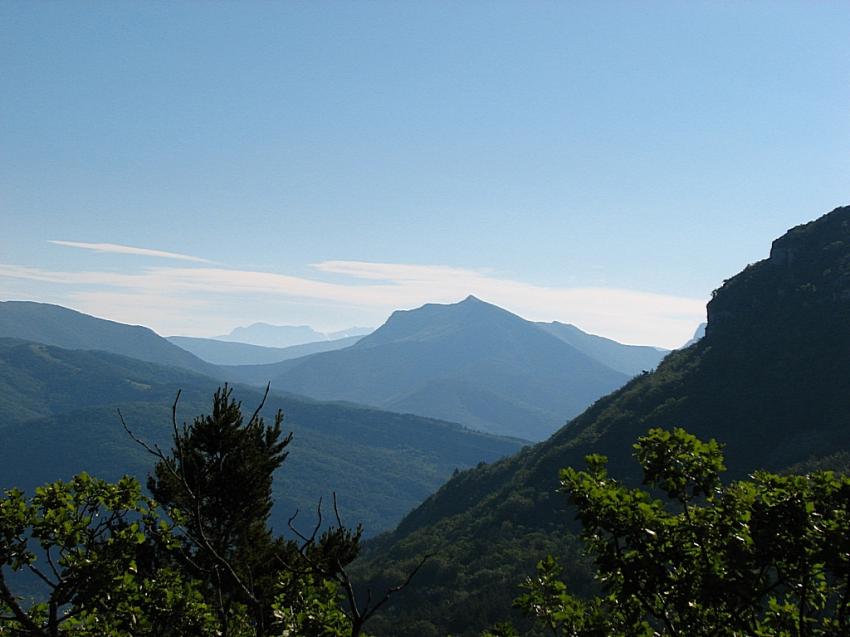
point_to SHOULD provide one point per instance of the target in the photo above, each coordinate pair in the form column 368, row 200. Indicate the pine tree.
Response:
column 217, row 483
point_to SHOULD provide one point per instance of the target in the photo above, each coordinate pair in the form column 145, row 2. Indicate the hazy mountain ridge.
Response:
column 628, row 359
column 69, row 329
column 267, row 335
column 698, row 334
column 466, row 351
column 771, row 380
column 218, row 352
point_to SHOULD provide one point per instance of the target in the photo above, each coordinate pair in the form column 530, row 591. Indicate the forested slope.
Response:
column 59, row 417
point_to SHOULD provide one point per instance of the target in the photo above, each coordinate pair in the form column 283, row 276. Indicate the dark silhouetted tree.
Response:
column 217, row 482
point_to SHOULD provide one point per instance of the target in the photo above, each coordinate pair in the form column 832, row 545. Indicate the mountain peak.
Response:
column 470, row 362
column 435, row 320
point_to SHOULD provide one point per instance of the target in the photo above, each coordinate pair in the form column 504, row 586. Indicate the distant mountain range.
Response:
column 267, row 335
column 232, row 353
column 770, row 380
column 64, row 373
column 469, row 362
column 59, row 417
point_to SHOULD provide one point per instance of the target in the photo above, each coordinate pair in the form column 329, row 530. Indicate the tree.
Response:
column 91, row 547
column 216, row 482
column 765, row 556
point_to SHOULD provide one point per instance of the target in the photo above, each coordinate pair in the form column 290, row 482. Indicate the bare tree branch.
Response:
column 359, row 614
column 19, row 613
column 399, row 587
column 37, row 572
column 262, row 402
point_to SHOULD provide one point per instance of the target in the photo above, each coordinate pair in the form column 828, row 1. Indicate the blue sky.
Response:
column 601, row 163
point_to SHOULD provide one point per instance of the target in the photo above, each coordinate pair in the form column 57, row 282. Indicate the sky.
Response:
column 195, row 166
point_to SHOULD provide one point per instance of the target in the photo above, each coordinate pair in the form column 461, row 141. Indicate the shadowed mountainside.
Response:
column 770, row 380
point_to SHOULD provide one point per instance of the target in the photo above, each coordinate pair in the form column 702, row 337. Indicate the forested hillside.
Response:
column 60, row 417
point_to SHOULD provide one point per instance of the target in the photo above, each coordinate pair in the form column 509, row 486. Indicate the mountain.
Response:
column 69, row 329
column 59, row 417
column 469, row 362
column 231, row 353
column 770, row 379
column 349, row 333
column 698, row 334
column 628, row 359
column 267, row 335
column 38, row 380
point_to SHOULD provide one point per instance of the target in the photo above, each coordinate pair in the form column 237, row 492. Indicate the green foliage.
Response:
column 91, row 544
column 769, row 556
column 547, row 600
column 110, row 563
column 679, row 464
column 217, row 482
column 501, row 630
column 309, row 607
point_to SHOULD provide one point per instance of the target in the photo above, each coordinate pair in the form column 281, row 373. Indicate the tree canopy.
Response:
column 95, row 551
column 767, row 556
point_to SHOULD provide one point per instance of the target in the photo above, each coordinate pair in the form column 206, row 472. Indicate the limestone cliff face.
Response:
column 808, row 271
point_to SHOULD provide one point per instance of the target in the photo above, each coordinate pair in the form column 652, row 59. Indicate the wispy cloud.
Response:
column 368, row 292
column 116, row 248
column 394, row 271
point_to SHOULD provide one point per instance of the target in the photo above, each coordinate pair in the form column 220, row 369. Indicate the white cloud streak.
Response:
column 116, row 248
column 375, row 289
